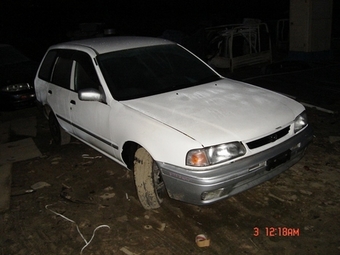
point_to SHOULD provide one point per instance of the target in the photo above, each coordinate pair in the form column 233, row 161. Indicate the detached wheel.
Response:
column 59, row 135
column 148, row 180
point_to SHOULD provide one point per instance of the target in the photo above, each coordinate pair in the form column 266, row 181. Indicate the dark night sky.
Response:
column 40, row 23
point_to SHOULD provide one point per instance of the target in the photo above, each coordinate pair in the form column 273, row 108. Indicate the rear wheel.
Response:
column 148, row 180
column 59, row 135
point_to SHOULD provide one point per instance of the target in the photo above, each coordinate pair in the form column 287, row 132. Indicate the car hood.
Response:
column 221, row 111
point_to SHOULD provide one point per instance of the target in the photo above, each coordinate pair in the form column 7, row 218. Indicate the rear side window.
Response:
column 57, row 68
column 62, row 72
column 47, row 65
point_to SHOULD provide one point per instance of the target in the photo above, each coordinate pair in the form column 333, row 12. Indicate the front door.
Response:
column 90, row 119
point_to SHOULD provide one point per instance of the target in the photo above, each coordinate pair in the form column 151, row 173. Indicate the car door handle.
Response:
column 50, row 92
column 73, row 102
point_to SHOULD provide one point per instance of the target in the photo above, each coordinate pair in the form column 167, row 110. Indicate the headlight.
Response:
column 215, row 154
column 300, row 122
column 16, row 87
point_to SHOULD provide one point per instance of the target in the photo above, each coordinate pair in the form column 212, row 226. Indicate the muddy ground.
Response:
column 301, row 206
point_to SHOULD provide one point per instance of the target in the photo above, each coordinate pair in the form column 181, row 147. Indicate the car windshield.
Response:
column 146, row 71
column 10, row 56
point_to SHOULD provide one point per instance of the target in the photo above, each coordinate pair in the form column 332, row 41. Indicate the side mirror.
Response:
column 90, row 94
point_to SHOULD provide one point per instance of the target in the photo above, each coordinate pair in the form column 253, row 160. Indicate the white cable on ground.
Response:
column 93, row 234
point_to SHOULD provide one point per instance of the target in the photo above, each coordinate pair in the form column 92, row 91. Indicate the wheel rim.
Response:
column 158, row 182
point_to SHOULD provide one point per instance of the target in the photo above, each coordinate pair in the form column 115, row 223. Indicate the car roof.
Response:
column 115, row 43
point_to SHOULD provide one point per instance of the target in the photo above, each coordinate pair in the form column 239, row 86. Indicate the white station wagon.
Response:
column 157, row 109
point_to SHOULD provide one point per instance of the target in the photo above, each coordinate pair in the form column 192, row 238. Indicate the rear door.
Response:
column 58, row 91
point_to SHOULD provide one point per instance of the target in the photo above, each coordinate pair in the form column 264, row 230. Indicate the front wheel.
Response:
column 148, row 180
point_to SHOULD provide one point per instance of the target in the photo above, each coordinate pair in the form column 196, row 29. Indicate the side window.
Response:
column 85, row 75
column 47, row 65
column 62, row 72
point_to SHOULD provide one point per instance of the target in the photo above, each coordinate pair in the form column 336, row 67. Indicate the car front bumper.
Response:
column 207, row 186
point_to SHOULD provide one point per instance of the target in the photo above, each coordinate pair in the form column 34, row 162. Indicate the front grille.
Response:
column 268, row 139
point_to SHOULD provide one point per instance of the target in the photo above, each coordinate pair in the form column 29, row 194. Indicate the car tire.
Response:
column 149, row 183
column 59, row 135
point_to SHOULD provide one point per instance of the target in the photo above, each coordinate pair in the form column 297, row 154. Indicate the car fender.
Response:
column 164, row 143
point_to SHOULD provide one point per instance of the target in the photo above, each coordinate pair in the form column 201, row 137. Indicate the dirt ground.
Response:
column 89, row 191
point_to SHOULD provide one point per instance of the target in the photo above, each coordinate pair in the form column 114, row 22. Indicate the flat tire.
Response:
column 148, row 180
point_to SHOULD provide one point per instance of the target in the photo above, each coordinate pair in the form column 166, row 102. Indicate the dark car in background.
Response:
column 17, row 74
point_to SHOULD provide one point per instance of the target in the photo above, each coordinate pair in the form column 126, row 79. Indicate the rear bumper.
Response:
column 207, row 186
column 17, row 100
